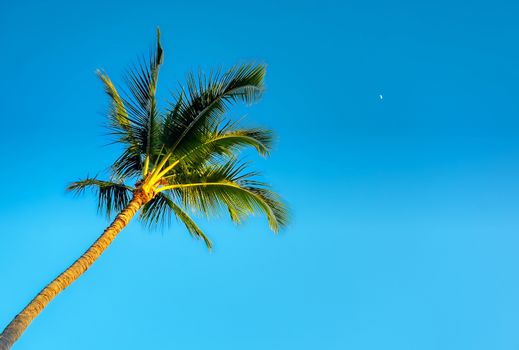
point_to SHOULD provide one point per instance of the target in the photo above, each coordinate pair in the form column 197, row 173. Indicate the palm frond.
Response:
column 241, row 202
column 158, row 212
column 128, row 165
column 118, row 116
column 225, row 143
column 141, row 102
column 111, row 196
column 229, row 186
column 208, row 97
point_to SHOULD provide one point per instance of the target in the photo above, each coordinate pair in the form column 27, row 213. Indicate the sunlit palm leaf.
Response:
column 118, row 116
column 208, row 98
column 225, row 143
column 229, row 186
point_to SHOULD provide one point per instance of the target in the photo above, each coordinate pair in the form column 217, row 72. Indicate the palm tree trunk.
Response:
column 14, row 330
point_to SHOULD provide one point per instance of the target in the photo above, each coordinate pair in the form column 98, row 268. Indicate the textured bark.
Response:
column 14, row 330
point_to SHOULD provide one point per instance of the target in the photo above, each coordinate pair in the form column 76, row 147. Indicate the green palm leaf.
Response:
column 159, row 210
column 226, row 143
column 111, row 196
column 229, row 186
column 142, row 106
column 208, row 97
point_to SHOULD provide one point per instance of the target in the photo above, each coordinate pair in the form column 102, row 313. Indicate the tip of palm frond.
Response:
column 101, row 74
column 73, row 187
column 277, row 213
column 253, row 75
column 208, row 244
column 160, row 51
column 79, row 186
column 282, row 217
column 104, row 78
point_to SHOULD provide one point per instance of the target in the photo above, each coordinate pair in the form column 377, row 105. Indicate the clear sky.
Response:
column 405, row 227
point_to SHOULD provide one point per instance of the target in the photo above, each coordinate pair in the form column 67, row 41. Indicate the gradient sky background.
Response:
column 405, row 211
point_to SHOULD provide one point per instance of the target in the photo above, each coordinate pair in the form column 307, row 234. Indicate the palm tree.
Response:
column 182, row 160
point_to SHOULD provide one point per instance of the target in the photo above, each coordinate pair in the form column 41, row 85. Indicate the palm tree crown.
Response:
column 186, row 158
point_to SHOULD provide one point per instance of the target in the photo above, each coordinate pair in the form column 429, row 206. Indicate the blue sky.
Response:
column 405, row 225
